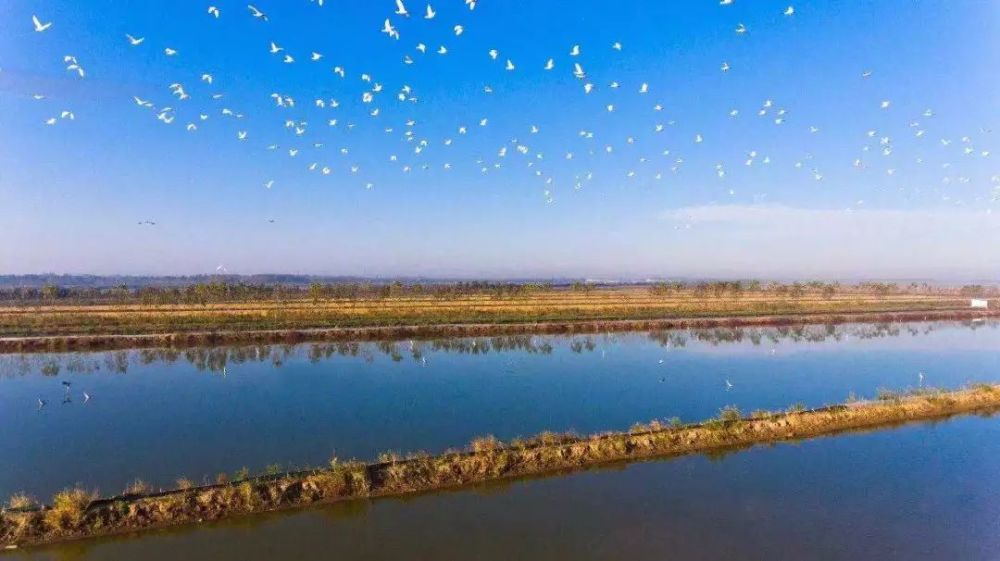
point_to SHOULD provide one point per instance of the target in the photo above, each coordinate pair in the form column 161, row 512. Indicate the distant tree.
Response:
column 316, row 291
column 829, row 290
column 50, row 292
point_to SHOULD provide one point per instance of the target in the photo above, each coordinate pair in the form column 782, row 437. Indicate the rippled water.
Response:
column 159, row 415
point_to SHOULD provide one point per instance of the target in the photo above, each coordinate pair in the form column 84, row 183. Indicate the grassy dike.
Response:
column 77, row 513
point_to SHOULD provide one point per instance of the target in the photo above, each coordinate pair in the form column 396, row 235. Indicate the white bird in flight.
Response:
column 430, row 13
column 389, row 30
column 39, row 26
column 401, row 9
column 213, row 11
column 134, row 41
column 790, row 11
column 256, row 13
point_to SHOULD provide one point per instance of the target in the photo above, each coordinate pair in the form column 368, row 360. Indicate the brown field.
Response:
column 78, row 513
column 97, row 325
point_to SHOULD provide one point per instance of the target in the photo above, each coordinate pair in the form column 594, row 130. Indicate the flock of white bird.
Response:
column 585, row 148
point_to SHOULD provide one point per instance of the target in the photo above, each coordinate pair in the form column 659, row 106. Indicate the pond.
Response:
column 918, row 492
column 163, row 414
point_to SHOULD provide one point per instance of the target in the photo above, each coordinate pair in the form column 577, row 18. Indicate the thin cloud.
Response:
column 778, row 239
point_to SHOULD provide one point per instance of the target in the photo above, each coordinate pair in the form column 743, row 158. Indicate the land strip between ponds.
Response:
column 77, row 514
column 59, row 343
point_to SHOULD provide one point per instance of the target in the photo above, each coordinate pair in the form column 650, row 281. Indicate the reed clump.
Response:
column 20, row 501
column 69, row 507
column 76, row 513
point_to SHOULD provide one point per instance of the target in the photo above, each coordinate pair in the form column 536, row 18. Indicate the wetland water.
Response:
column 162, row 414
column 923, row 491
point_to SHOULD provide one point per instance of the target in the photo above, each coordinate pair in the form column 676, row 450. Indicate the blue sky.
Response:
column 72, row 193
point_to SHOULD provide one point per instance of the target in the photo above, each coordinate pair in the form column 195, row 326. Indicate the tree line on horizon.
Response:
column 217, row 291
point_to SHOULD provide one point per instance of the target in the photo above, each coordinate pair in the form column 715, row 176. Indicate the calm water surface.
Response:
column 921, row 492
column 159, row 415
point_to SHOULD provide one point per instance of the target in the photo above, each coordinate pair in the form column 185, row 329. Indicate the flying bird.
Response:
column 213, row 11
column 256, row 13
column 134, row 41
column 430, row 13
column 39, row 26
column 389, row 30
column 401, row 9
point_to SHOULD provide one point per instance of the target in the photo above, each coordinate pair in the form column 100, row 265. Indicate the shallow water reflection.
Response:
column 162, row 414
column 925, row 491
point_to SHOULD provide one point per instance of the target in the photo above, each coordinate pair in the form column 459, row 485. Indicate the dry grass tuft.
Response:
column 138, row 488
column 69, row 508
column 488, row 443
column 20, row 501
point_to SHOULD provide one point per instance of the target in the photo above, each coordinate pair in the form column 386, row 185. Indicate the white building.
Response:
column 978, row 303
